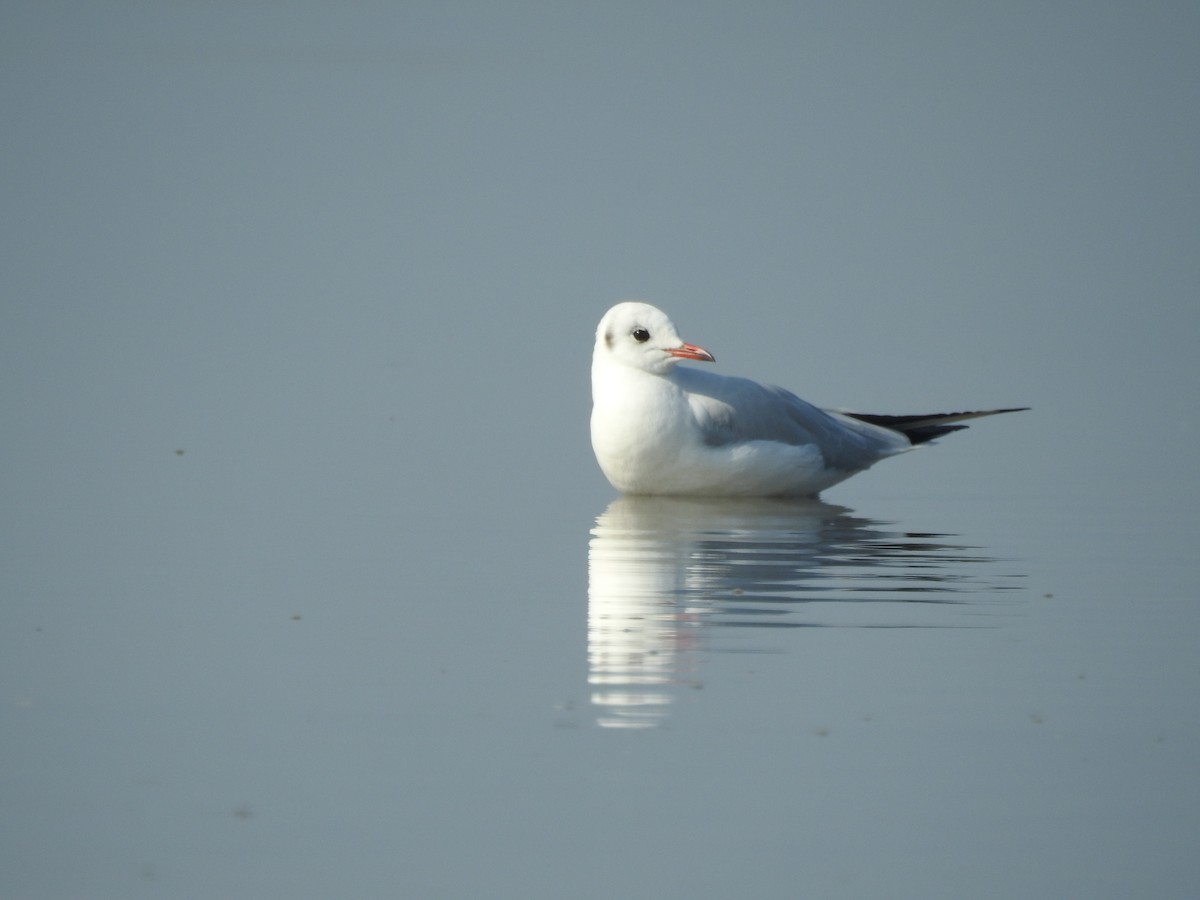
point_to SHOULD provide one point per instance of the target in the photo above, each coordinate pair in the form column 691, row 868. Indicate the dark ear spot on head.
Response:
column 608, row 339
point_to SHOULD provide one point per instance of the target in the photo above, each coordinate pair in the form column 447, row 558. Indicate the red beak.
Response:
column 691, row 351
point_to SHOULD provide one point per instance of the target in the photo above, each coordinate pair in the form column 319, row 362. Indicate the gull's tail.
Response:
column 919, row 429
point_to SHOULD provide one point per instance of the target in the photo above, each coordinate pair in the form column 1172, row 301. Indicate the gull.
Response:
column 661, row 428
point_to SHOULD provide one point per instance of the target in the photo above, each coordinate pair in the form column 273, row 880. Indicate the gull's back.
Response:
column 730, row 410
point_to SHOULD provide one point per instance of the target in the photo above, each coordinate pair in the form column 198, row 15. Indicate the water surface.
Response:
column 310, row 586
column 671, row 580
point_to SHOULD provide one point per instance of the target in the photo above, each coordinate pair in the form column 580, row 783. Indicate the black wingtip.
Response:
column 921, row 429
column 928, row 433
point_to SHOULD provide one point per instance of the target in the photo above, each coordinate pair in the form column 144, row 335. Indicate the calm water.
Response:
column 673, row 580
column 310, row 586
column 672, row 697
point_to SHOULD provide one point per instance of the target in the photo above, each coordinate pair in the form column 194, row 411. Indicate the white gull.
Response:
column 659, row 428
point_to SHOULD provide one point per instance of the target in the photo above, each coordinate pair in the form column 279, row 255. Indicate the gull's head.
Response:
column 641, row 336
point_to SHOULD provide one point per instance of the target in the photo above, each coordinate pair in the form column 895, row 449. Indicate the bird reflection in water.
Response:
column 665, row 572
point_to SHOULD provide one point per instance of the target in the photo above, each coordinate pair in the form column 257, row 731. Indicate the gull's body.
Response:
column 659, row 428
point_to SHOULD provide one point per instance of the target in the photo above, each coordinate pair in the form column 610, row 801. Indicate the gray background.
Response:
column 296, row 312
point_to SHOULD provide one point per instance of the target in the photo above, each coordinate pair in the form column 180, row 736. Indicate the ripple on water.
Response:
column 668, row 577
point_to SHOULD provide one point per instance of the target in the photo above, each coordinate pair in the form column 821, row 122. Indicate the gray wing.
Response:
column 733, row 410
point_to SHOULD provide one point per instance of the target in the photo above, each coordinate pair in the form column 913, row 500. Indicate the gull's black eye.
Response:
column 641, row 335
